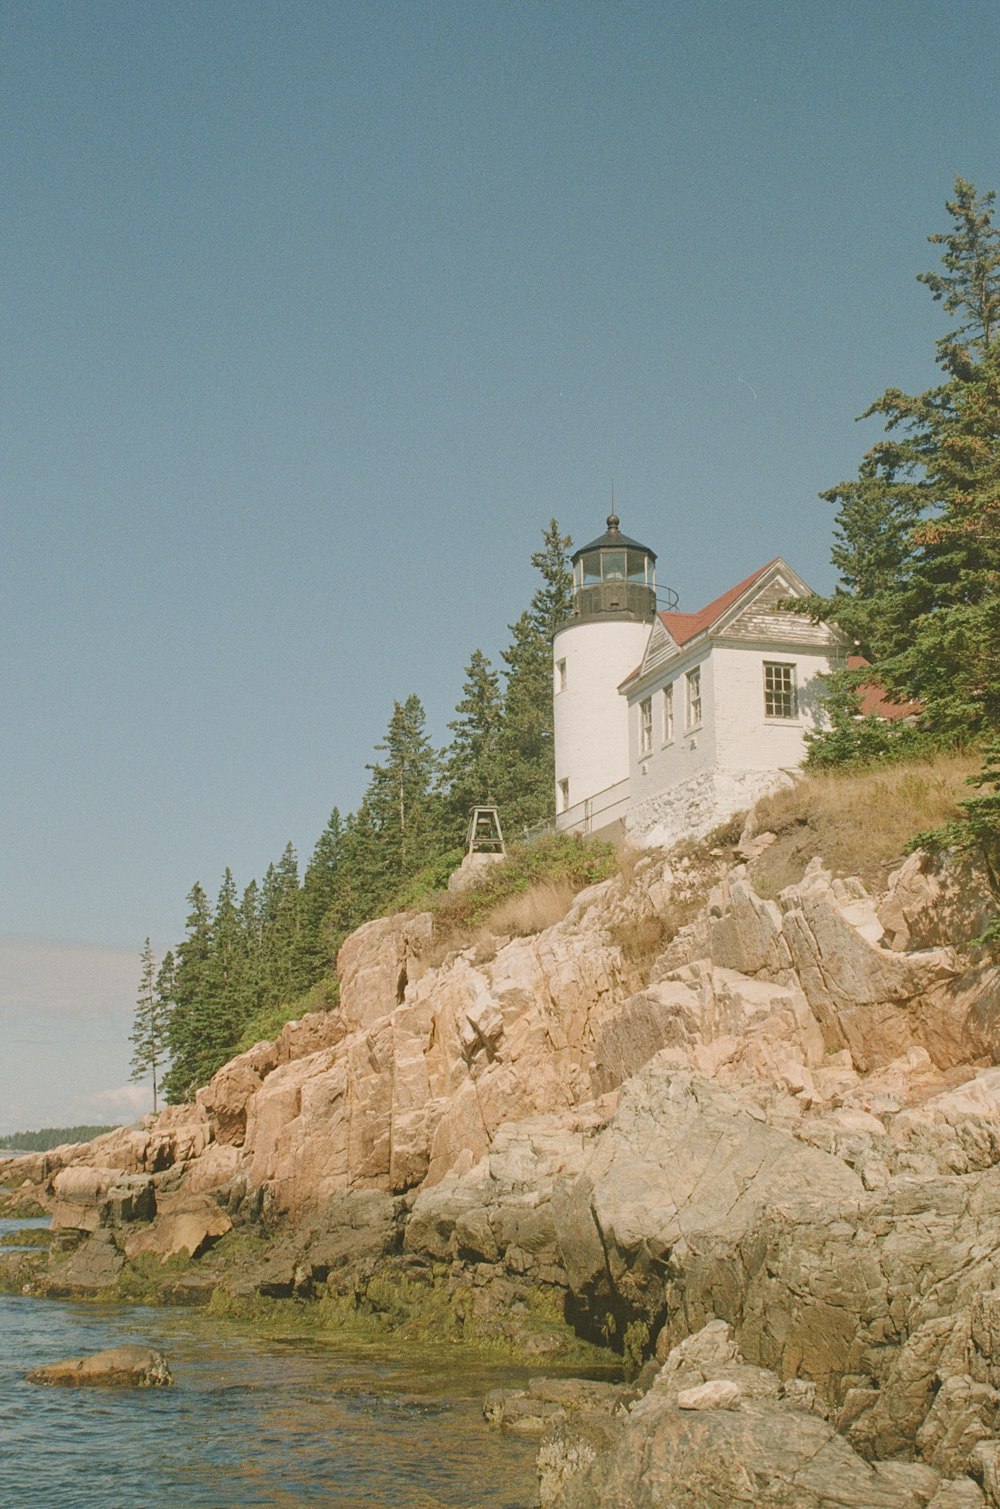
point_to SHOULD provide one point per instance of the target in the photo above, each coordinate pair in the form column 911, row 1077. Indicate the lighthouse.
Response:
column 614, row 604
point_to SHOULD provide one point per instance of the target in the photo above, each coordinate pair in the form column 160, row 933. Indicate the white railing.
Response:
column 595, row 812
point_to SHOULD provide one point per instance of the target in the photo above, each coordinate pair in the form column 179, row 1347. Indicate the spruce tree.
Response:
column 228, row 986
column 402, row 799
column 251, row 948
column 149, row 1027
column 283, row 976
column 526, row 753
column 472, row 759
column 918, row 532
column 190, row 1020
column 319, row 895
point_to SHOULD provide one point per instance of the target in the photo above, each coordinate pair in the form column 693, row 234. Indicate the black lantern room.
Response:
column 615, row 577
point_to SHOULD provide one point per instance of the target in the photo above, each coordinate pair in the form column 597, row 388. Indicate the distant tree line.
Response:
column 250, row 956
column 48, row 1137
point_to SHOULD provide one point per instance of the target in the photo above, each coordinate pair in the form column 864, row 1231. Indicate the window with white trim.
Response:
column 668, row 714
column 646, row 726
column 693, row 716
column 780, row 698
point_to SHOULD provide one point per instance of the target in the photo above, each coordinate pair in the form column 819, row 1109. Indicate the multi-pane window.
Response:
column 779, row 690
column 694, row 698
column 646, row 726
column 668, row 713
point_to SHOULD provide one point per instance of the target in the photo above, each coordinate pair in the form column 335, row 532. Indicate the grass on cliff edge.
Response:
column 532, row 889
column 858, row 822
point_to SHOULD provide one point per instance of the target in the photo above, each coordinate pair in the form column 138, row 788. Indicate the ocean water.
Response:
column 248, row 1421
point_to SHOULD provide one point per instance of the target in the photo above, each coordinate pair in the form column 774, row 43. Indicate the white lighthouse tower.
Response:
column 614, row 604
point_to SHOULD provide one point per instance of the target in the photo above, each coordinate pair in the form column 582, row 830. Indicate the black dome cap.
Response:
column 612, row 539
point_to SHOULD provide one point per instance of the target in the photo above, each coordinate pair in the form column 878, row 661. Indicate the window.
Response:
column 646, row 726
column 560, row 675
column 638, row 565
column 694, row 697
column 780, row 700
column 668, row 714
column 563, row 788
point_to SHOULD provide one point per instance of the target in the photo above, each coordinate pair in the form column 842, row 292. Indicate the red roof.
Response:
column 684, row 626
column 874, row 702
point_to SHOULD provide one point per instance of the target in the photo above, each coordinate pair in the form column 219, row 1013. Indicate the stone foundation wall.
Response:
column 696, row 806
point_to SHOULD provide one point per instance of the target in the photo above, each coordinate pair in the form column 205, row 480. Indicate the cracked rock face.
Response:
column 713, row 1432
column 788, row 1126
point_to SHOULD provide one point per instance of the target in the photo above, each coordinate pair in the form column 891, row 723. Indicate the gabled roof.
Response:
column 684, row 626
column 681, row 630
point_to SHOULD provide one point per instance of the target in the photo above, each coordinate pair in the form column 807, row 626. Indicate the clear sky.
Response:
column 315, row 314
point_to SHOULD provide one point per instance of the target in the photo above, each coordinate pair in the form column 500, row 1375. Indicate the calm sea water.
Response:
column 248, row 1422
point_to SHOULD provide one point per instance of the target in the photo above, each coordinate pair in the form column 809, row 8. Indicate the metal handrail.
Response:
column 583, row 815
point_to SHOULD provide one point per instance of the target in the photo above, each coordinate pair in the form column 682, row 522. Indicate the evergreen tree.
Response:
column 190, row 1020
column 553, row 600
column 149, row 1027
column 227, row 987
column 970, row 283
column 251, row 948
column 282, row 974
column 918, row 532
column 471, row 761
column 362, row 885
column 319, row 895
column 526, row 754
column 402, row 800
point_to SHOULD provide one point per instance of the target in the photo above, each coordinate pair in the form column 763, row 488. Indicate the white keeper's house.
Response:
column 667, row 723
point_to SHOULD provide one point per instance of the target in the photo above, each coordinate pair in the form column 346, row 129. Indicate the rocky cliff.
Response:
column 766, row 1159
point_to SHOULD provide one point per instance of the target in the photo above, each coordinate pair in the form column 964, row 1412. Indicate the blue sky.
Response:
column 313, row 316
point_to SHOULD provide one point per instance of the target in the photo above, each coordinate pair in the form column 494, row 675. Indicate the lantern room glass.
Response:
column 614, row 566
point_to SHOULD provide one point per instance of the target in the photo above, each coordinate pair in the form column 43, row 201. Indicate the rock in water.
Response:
column 119, row 1367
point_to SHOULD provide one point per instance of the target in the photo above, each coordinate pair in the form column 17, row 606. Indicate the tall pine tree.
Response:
column 471, row 764
column 319, row 894
column 918, row 532
column 190, row 1018
column 403, row 799
column 526, row 752
column 149, row 1027
column 283, row 975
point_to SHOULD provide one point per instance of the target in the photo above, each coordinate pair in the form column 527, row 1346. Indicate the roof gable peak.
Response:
column 684, row 627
